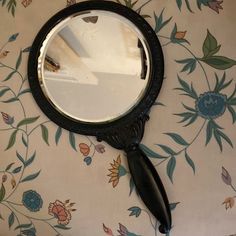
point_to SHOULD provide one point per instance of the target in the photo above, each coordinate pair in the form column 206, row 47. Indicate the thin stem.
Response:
column 197, row 59
column 6, row 129
column 22, row 83
column 58, row 233
column 13, row 69
column 233, row 187
column 8, row 172
column 150, row 218
column 156, row 228
column 144, row 4
column 13, row 203
column 17, row 219
column 165, row 44
column 22, row 173
column 4, row 45
column 93, row 152
column 90, row 141
column 164, row 37
column 16, row 128
column 23, row 109
column 200, row 64
column 186, row 147
column 29, row 217
column 38, row 126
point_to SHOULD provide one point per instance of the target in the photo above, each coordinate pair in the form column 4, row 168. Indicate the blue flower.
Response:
column 32, row 200
column 211, row 105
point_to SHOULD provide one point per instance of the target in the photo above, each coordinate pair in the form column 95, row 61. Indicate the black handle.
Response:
column 150, row 187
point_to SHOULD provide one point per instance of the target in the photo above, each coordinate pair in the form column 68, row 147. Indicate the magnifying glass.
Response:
column 96, row 68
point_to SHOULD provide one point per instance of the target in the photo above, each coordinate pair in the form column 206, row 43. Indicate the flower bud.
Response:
column 100, row 148
column 84, row 149
column 4, row 178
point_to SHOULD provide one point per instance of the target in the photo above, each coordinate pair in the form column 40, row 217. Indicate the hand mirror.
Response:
column 96, row 68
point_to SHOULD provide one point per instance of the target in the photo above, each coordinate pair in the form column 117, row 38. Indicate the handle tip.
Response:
column 163, row 229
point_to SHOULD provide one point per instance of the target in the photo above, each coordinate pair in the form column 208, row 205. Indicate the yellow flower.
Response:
column 229, row 203
column 117, row 171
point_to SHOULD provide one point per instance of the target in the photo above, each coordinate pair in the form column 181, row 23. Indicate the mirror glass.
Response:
column 94, row 66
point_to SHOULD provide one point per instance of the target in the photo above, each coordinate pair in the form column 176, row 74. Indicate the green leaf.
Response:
column 62, row 227
column 23, row 226
column 232, row 112
column 190, row 161
column 188, row 6
column 30, row 160
column 3, row 2
column 232, row 101
column 13, row 37
column 9, row 166
column 9, row 76
column 27, row 49
column 188, row 116
column 159, row 21
column 179, row 4
column 215, row 125
column 171, row 167
column 173, row 205
column 58, row 135
column 150, row 153
column 20, row 158
column 11, row 100
column 232, row 95
column 167, row 149
column 133, row 4
column 225, row 137
column 44, row 130
column 12, row 140
column 17, row 170
column 190, row 64
column 72, row 140
column 219, row 62
column 173, row 33
column 218, row 139
column 209, row 131
column 27, row 90
column 178, row 139
column 191, row 120
column 2, row 192
column 221, row 84
column 31, row 177
column 28, row 121
column 3, row 91
column 19, row 59
column 135, row 211
column 189, row 108
column 200, row 2
column 210, row 45
column 190, row 91
column 11, row 220
column 24, row 140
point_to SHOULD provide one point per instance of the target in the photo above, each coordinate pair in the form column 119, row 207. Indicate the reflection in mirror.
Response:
column 94, row 67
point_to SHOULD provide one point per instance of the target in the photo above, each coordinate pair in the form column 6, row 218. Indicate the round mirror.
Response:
column 94, row 66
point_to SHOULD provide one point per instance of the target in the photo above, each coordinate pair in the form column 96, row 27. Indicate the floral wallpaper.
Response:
column 55, row 182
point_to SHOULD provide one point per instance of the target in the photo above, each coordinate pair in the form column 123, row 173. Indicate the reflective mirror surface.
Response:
column 94, row 66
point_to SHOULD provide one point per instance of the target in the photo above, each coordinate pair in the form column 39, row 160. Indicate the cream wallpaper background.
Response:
column 53, row 182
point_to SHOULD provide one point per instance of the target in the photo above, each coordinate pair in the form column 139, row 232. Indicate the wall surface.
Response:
column 53, row 182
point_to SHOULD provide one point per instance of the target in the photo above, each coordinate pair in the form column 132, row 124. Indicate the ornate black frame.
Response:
column 125, row 132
